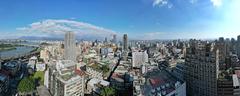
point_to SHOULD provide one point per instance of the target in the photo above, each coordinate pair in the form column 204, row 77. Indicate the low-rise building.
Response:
column 40, row 66
column 94, row 72
column 139, row 58
column 163, row 83
column 12, row 67
column 32, row 62
column 122, row 83
column 94, row 86
column 228, row 85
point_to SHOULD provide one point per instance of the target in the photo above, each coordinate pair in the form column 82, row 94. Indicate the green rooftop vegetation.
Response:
column 26, row 85
column 95, row 67
column 39, row 75
column 66, row 77
column 107, row 91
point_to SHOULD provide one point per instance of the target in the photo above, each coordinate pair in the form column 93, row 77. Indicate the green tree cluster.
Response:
column 26, row 85
column 108, row 91
column 105, row 69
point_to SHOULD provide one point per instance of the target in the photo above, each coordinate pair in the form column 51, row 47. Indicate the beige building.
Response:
column 63, row 81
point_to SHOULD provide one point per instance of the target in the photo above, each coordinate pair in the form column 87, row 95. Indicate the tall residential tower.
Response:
column 70, row 46
column 125, row 42
column 125, row 47
column 202, row 68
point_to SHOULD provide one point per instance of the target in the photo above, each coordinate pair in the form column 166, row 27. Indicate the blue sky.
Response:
column 140, row 19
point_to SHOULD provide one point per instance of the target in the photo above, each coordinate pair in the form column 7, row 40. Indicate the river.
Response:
column 21, row 50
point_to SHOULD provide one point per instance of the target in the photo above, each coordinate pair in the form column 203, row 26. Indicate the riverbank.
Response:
column 19, row 51
column 7, row 47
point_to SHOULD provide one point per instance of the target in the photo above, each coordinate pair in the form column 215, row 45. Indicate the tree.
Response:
column 107, row 91
column 105, row 68
column 39, row 76
column 26, row 85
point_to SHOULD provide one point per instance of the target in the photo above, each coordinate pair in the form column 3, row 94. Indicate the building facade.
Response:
column 125, row 42
column 201, row 70
column 70, row 46
column 63, row 81
column 139, row 58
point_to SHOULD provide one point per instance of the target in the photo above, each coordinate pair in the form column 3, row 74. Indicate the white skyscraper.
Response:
column 69, row 46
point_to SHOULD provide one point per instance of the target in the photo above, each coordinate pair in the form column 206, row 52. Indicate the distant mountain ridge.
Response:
column 39, row 38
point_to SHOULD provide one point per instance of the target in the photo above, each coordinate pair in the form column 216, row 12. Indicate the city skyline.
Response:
column 120, row 48
column 140, row 19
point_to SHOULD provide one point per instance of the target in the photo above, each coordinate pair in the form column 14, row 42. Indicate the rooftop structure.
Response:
column 162, row 83
column 12, row 66
column 94, row 85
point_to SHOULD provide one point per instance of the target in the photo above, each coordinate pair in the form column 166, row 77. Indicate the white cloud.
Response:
column 53, row 27
column 160, row 3
column 216, row 3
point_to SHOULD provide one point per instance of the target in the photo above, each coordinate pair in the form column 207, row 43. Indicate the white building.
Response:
column 94, row 73
column 40, row 66
column 94, row 85
column 32, row 62
column 70, row 46
column 139, row 58
column 63, row 81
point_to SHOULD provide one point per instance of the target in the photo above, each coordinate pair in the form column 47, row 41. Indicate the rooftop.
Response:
column 64, row 64
column 162, row 82
column 43, row 91
column 94, row 81
column 33, row 58
column 11, row 64
column 2, row 77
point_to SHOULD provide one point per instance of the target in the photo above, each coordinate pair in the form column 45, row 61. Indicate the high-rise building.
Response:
column 221, row 46
column 125, row 47
column 64, row 80
column 105, row 40
column 70, row 46
column 125, row 42
column 233, row 46
column 238, row 46
column 202, row 68
column 228, row 46
column 114, row 39
column 139, row 58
